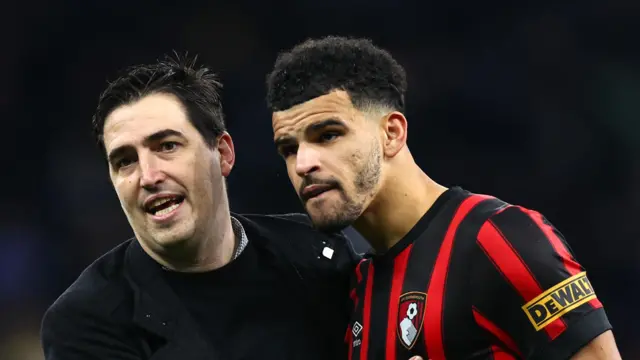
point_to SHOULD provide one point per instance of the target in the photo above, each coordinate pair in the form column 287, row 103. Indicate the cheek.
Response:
column 193, row 169
column 125, row 191
column 291, row 170
column 203, row 181
column 295, row 179
column 346, row 164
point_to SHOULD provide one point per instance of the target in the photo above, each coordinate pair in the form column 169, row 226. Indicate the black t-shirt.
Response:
column 249, row 310
column 284, row 297
column 475, row 278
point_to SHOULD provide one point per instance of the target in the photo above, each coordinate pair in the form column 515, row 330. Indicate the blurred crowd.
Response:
column 536, row 104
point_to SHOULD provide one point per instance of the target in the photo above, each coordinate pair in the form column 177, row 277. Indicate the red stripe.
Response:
column 595, row 303
column 570, row 263
column 500, row 354
column 435, row 300
column 359, row 271
column 366, row 313
column 349, row 340
column 399, row 269
column 496, row 331
column 353, row 294
column 511, row 265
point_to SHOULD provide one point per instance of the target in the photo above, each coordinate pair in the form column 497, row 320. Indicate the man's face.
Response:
column 333, row 156
column 168, row 180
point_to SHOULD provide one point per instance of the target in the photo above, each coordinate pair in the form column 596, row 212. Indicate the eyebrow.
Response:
column 155, row 137
column 315, row 127
column 159, row 135
column 285, row 140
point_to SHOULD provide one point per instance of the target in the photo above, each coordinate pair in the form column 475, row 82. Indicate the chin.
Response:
column 172, row 237
column 330, row 224
column 169, row 241
column 334, row 218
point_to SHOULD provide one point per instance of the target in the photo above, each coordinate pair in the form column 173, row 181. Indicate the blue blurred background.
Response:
column 537, row 103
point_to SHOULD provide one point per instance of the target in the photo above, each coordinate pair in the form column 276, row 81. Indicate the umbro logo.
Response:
column 357, row 328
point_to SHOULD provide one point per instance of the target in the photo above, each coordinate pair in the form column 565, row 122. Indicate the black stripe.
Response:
column 357, row 315
column 457, row 305
column 498, row 301
column 380, row 310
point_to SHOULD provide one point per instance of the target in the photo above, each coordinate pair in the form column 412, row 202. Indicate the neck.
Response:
column 399, row 204
column 202, row 252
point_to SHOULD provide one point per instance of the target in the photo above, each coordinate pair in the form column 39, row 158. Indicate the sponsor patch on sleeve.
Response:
column 559, row 300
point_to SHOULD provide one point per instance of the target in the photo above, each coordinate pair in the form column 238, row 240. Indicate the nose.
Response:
column 150, row 174
column 307, row 160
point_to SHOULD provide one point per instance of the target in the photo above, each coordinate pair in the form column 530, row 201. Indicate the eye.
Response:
column 168, row 146
column 286, row 151
column 122, row 163
column 328, row 136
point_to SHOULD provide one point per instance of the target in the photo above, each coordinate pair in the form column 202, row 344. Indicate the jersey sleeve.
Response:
column 528, row 291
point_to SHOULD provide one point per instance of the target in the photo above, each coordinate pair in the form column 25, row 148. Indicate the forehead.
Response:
column 133, row 122
column 336, row 104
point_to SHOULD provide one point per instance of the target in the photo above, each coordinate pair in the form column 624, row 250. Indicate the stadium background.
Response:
column 538, row 104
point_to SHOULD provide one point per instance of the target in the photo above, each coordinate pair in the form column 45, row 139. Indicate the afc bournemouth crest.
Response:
column 410, row 314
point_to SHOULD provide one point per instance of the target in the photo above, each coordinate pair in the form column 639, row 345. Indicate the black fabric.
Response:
column 280, row 299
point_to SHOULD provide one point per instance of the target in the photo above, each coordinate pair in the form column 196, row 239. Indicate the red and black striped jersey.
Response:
column 476, row 278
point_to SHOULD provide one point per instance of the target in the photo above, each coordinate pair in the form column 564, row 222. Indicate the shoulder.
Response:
column 479, row 214
column 520, row 227
column 488, row 226
column 290, row 224
column 294, row 234
column 96, row 294
column 293, row 219
column 465, row 217
column 523, row 246
column 487, row 219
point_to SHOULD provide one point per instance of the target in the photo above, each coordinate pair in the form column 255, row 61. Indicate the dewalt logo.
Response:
column 559, row 300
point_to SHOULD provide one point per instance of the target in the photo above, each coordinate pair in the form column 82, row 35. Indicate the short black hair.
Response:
column 195, row 86
column 315, row 67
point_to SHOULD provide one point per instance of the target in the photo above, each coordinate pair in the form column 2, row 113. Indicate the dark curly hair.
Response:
column 197, row 88
column 316, row 67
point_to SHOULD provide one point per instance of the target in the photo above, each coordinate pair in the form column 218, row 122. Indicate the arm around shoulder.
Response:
column 73, row 333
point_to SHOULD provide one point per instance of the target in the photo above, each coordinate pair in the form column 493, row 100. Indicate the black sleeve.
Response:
column 297, row 217
column 346, row 257
column 529, row 292
column 351, row 255
column 69, row 334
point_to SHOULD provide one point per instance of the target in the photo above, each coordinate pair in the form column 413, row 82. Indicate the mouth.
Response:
column 313, row 191
column 162, row 206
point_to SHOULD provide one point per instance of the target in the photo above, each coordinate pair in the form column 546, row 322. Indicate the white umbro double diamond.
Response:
column 356, row 329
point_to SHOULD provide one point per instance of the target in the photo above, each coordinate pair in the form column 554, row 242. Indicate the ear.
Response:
column 227, row 153
column 394, row 126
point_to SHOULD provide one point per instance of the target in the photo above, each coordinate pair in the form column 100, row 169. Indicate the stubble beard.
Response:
column 349, row 209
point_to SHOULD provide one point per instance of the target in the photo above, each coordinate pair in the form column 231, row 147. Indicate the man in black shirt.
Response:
column 455, row 275
column 196, row 282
